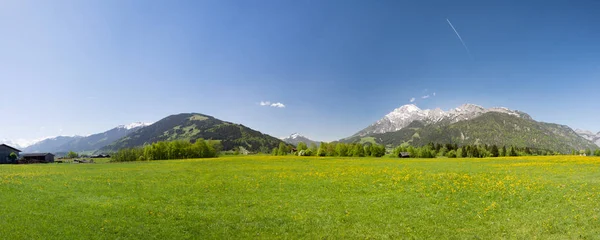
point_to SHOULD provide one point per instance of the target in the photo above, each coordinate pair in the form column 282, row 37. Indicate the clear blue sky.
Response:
column 81, row 67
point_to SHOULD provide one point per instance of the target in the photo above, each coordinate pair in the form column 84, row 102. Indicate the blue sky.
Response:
column 81, row 67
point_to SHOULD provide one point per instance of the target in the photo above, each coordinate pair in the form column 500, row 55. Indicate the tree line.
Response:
column 587, row 152
column 164, row 150
column 333, row 149
column 432, row 150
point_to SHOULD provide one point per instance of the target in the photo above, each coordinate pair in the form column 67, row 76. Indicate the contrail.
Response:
column 459, row 38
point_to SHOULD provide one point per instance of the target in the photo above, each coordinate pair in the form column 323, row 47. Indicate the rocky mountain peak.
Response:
column 404, row 115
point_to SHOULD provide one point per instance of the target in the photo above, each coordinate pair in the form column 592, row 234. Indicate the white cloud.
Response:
column 434, row 94
column 278, row 105
column 270, row 104
column 412, row 100
column 425, row 97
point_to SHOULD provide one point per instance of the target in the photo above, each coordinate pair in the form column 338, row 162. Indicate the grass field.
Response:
column 293, row 197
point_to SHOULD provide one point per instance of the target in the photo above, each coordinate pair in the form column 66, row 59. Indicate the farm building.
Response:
column 404, row 155
column 38, row 157
column 5, row 152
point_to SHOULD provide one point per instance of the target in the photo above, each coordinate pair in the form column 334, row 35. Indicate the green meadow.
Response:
column 304, row 197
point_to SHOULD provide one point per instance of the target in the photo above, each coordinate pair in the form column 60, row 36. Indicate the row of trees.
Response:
column 477, row 151
column 211, row 148
column 169, row 150
column 333, row 149
column 587, row 152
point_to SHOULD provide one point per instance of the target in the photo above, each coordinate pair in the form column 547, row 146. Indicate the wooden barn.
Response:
column 5, row 152
column 38, row 158
column 404, row 155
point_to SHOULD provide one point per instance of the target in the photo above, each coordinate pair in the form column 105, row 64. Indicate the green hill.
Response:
column 489, row 128
column 192, row 126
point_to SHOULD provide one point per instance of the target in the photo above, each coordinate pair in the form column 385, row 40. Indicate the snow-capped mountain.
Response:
column 84, row 143
column 404, row 115
column 296, row 138
column 589, row 135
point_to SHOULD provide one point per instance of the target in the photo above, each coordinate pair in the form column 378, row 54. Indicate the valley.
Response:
column 239, row 197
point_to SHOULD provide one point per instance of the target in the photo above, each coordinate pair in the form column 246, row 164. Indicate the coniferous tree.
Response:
column 513, row 153
column 494, row 151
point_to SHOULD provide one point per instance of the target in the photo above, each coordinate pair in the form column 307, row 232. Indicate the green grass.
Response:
column 293, row 197
column 367, row 140
column 198, row 118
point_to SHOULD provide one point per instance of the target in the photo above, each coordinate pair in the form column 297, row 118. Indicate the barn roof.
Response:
column 10, row 147
column 36, row 154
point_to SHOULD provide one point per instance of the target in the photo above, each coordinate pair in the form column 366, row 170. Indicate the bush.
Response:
column 72, row 154
column 451, row 154
column 13, row 156
column 308, row 152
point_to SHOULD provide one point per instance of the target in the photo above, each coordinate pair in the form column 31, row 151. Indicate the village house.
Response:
column 38, row 158
column 5, row 152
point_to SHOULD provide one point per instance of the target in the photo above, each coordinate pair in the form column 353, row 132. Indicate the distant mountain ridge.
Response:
column 296, row 138
column 192, row 126
column 97, row 141
column 470, row 124
column 20, row 144
column 83, row 143
column 50, row 144
column 589, row 135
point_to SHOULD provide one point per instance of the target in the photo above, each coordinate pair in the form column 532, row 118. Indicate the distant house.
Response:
column 5, row 152
column 38, row 158
column 404, row 155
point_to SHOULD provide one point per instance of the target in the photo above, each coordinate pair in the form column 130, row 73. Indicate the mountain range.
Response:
column 296, row 138
column 404, row 115
column 84, row 143
column 466, row 124
column 469, row 124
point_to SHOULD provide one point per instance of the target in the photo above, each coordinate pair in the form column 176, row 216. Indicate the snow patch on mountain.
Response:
column 134, row 125
column 589, row 135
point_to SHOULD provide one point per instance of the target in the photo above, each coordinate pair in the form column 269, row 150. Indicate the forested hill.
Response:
column 490, row 128
column 192, row 126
